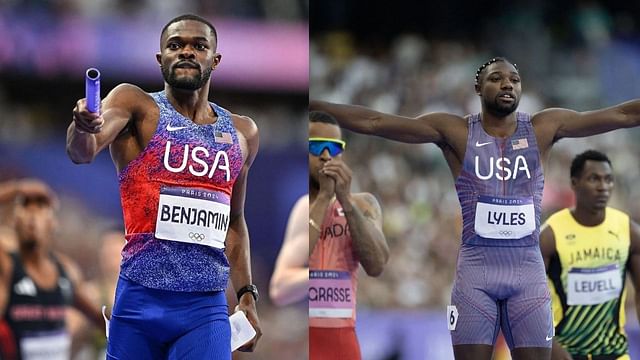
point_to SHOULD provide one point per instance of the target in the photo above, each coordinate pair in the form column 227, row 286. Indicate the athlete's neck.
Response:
column 313, row 192
column 192, row 104
column 34, row 254
column 498, row 126
column 588, row 217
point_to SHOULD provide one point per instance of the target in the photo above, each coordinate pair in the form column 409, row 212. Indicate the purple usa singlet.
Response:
column 500, row 278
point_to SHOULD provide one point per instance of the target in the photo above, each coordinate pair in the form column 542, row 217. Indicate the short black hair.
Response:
column 322, row 117
column 577, row 165
column 190, row 17
column 489, row 62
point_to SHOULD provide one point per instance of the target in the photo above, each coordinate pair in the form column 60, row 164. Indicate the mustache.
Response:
column 187, row 64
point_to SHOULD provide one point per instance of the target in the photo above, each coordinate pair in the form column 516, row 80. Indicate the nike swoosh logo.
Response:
column 549, row 337
column 171, row 128
column 479, row 144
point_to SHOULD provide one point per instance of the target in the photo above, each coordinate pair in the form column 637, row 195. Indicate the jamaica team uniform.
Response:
column 587, row 281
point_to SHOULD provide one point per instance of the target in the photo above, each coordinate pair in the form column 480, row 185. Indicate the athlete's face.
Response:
column 188, row 55
column 321, row 130
column 500, row 88
column 34, row 221
column 594, row 186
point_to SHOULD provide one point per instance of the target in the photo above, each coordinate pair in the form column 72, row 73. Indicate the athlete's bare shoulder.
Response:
column 546, row 124
column 451, row 127
column 445, row 123
column 131, row 97
column 249, row 131
column 245, row 125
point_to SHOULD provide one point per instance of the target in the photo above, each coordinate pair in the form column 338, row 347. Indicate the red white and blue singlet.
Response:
column 176, row 202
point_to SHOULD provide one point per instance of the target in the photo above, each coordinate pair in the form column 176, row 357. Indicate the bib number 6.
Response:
column 452, row 317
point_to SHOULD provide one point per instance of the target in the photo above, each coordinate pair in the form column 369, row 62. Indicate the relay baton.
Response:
column 92, row 89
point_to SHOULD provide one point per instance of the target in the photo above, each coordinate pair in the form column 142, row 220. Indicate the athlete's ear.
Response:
column 574, row 183
column 477, row 88
column 217, row 57
column 159, row 58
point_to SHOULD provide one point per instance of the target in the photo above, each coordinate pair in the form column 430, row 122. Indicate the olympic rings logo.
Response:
column 196, row 236
column 505, row 232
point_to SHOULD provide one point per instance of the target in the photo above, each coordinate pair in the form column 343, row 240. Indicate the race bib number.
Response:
column 504, row 218
column 593, row 286
column 193, row 216
column 46, row 347
column 330, row 294
column 452, row 317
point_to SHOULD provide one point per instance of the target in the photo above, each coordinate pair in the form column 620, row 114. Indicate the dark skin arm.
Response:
column 365, row 224
column 127, row 110
column 81, row 300
column 364, row 218
column 237, row 242
column 448, row 131
column 634, row 263
column 548, row 249
column 429, row 128
column 554, row 124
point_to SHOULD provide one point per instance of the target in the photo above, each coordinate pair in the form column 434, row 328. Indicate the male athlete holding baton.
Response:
column 182, row 165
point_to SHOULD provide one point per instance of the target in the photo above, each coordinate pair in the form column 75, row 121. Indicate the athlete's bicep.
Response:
column 570, row 123
column 370, row 209
column 117, row 109
column 428, row 128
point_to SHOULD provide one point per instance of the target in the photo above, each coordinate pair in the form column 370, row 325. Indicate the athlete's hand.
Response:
column 327, row 184
column 248, row 305
column 340, row 172
column 86, row 121
column 559, row 353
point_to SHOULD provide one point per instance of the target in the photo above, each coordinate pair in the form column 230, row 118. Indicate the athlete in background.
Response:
column 290, row 280
column 344, row 233
column 587, row 251
column 37, row 284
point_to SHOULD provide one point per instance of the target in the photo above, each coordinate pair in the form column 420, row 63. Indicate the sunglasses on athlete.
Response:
column 317, row 146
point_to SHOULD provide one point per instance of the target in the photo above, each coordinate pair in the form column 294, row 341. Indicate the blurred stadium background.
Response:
column 412, row 57
column 46, row 47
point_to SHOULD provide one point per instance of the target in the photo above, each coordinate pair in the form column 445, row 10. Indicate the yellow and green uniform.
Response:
column 587, row 283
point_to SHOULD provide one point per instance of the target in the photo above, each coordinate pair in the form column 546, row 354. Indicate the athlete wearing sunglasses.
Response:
column 344, row 232
column 318, row 144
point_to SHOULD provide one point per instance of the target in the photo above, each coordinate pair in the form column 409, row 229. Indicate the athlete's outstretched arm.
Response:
column 89, row 133
column 290, row 280
column 364, row 218
column 561, row 123
column 237, row 242
column 634, row 262
column 424, row 129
